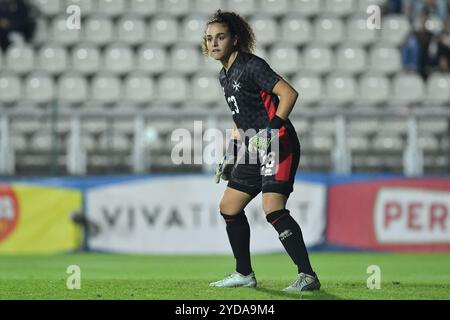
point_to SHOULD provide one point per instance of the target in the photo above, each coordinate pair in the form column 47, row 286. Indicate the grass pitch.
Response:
column 107, row 276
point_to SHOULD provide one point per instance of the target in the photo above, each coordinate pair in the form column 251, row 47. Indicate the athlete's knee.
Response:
column 229, row 207
column 273, row 203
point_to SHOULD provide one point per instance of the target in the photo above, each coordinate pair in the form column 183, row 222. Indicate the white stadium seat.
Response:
column 49, row 7
column 60, row 32
column 39, row 88
column 143, row 7
column 118, row 58
column 111, row 8
column 373, row 89
column 131, row 29
column 358, row 32
column 87, row 6
column 192, row 28
column 340, row 8
column 175, row 7
column 364, row 4
column 172, row 88
column 284, row 58
column 385, row 59
column 307, row 8
column 105, row 89
column 329, row 30
column 318, row 58
column 1, row 59
column 72, row 89
column 10, row 88
column 206, row 88
column 438, row 88
column 41, row 33
column 139, row 88
column 394, row 29
column 151, row 58
column 296, row 29
column 340, row 89
column 244, row 7
column 274, row 7
column 185, row 58
column 310, row 89
column 408, row 89
column 207, row 7
column 163, row 29
column 98, row 29
column 19, row 59
column 350, row 59
column 52, row 59
column 85, row 58
column 209, row 64
column 265, row 29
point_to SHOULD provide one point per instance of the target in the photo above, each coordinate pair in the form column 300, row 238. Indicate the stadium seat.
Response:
column 105, row 89
column 206, row 87
column 310, row 89
column 209, row 64
column 151, row 57
column 72, row 89
column 244, row 7
column 98, row 29
column 87, row 7
column 284, row 58
column 340, row 89
column 52, row 59
column 1, row 59
column 111, row 8
column 207, row 7
column 308, row 8
column 172, row 88
column 358, row 32
column 265, row 29
column 130, row 29
column 49, row 8
column 385, row 142
column 340, row 8
column 329, row 30
column 39, row 88
column 143, row 8
column 434, row 24
column 428, row 143
column 350, row 59
column 364, row 4
column 41, row 33
column 394, row 29
column 10, row 88
column 61, row 34
column 184, row 58
column 260, row 52
column 407, row 89
column 373, row 89
column 19, row 59
column 385, row 59
column 192, row 28
column 139, row 89
column 85, row 58
column 438, row 89
column 118, row 58
column 274, row 7
column 175, row 8
column 296, row 29
column 163, row 29
column 317, row 58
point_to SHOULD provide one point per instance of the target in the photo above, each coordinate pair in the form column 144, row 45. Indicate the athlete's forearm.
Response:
column 288, row 96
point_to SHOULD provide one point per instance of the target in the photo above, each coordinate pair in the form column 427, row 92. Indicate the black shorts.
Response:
column 253, row 178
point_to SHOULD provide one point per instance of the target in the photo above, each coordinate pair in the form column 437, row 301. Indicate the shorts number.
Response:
column 233, row 105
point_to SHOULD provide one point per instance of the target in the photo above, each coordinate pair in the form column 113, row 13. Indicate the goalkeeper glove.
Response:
column 225, row 166
column 261, row 141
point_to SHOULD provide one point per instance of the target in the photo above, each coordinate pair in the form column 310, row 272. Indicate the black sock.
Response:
column 291, row 237
column 238, row 231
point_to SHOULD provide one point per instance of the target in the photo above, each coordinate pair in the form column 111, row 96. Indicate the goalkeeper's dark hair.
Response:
column 237, row 26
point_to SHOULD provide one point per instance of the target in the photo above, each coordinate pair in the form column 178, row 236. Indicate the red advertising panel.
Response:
column 404, row 214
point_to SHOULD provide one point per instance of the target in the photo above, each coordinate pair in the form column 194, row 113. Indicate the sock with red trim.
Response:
column 291, row 237
column 238, row 231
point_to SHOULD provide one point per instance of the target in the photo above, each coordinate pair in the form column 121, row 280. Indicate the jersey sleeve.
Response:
column 262, row 74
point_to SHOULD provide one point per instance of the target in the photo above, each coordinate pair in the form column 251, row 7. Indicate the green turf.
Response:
column 105, row 276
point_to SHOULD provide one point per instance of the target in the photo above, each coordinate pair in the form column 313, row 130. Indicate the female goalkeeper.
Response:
column 260, row 102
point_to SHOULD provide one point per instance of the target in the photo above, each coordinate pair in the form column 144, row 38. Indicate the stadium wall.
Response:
column 178, row 214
